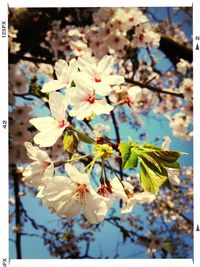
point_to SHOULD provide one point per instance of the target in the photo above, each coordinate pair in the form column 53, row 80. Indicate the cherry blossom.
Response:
column 65, row 74
column 145, row 35
column 112, row 190
column 68, row 196
column 51, row 128
column 84, row 101
column 42, row 165
column 100, row 75
column 182, row 66
column 144, row 197
column 180, row 123
column 187, row 88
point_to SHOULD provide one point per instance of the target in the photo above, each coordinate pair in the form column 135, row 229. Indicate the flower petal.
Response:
column 102, row 107
column 49, row 170
column 69, row 208
column 35, row 153
column 44, row 123
column 105, row 65
column 102, row 88
column 145, row 197
column 52, row 86
column 95, row 208
column 33, row 174
column 57, row 105
column 48, row 138
column 76, row 176
column 59, row 66
column 118, row 189
column 129, row 205
column 113, row 79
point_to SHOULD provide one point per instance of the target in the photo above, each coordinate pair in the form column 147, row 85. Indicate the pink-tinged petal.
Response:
column 59, row 66
column 113, row 79
column 44, row 123
column 76, row 176
column 102, row 88
column 105, row 66
column 35, row 153
column 52, row 86
column 95, row 208
column 48, row 137
column 57, row 105
column 102, row 107
column 69, row 208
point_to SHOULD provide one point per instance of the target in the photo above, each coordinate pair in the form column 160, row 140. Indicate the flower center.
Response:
column 127, row 100
column 90, row 98
column 82, row 190
column 79, row 49
column 131, row 19
column 97, row 80
column 103, row 191
column 61, row 124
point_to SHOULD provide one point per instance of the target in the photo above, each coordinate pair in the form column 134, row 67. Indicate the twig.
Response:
column 116, row 127
column 155, row 89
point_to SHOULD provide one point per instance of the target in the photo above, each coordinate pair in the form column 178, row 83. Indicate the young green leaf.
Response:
column 152, row 177
column 129, row 157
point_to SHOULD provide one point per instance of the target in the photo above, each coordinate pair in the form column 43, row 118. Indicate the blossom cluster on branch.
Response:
column 93, row 78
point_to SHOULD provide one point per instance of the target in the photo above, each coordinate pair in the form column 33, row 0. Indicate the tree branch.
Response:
column 16, row 177
column 155, row 89
column 116, row 127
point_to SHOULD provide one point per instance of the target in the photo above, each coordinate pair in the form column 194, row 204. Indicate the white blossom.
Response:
column 65, row 74
column 51, row 128
column 68, row 196
column 42, row 165
column 138, row 198
column 182, row 66
column 84, row 102
column 100, row 75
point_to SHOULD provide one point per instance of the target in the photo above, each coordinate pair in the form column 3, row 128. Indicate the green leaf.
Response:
column 85, row 138
column 129, row 157
column 152, row 177
column 154, row 162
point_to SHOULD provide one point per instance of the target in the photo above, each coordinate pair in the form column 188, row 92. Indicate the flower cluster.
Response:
column 68, row 195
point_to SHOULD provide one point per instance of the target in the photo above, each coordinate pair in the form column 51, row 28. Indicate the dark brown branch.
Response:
column 116, row 127
column 175, row 50
column 16, row 178
column 155, row 89
column 14, row 58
